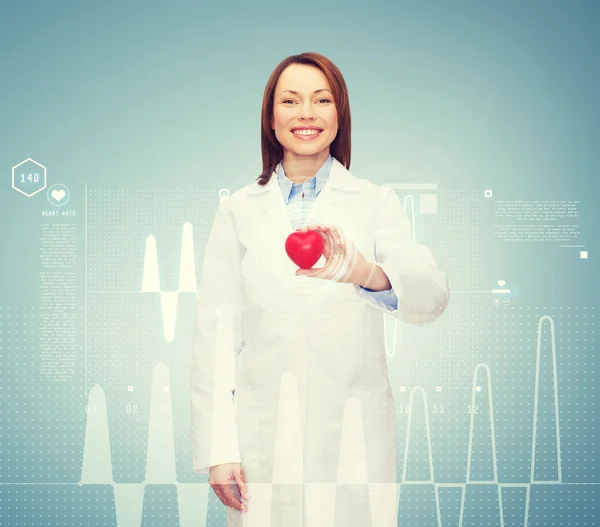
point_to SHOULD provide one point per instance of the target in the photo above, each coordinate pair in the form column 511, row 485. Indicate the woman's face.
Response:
column 303, row 100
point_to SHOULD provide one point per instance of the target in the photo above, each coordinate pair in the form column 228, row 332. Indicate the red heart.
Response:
column 304, row 248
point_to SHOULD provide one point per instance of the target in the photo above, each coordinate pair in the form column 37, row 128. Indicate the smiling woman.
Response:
column 306, row 117
column 291, row 400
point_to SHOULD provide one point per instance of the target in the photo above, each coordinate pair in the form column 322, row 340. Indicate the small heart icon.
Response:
column 501, row 283
column 58, row 194
column 304, row 248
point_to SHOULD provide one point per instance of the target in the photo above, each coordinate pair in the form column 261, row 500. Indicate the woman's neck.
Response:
column 299, row 169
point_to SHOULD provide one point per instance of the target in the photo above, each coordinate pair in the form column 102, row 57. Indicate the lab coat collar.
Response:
column 318, row 180
column 340, row 190
column 339, row 178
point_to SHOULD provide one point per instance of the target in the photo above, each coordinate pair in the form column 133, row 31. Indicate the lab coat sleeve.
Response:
column 421, row 288
column 388, row 297
column 216, row 343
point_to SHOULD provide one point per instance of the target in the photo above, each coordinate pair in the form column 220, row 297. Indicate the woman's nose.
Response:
column 306, row 110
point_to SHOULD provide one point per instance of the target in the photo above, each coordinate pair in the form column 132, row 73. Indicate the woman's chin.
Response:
column 306, row 149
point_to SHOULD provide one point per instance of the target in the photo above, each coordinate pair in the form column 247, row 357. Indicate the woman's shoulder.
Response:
column 236, row 200
column 370, row 190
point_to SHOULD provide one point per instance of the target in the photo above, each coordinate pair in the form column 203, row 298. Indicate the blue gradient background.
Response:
column 163, row 96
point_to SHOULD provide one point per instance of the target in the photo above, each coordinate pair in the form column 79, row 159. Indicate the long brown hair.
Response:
column 272, row 151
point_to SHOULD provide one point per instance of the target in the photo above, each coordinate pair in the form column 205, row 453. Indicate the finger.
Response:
column 344, row 247
column 327, row 272
column 230, row 499
column 337, row 237
column 321, row 229
column 315, row 272
column 217, row 490
column 335, row 269
column 327, row 243
column 240, row 479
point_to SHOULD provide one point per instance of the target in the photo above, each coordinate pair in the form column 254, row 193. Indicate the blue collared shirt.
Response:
column 299, row 197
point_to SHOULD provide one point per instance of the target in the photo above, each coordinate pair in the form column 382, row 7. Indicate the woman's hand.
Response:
column 220, row 480
column 344, row 262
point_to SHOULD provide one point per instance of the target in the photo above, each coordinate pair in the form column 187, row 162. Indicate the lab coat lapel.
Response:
column 340, row 187
column 335, row 197
column 275, row 207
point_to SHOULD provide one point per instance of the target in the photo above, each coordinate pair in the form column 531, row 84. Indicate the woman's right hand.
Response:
column 221, row 478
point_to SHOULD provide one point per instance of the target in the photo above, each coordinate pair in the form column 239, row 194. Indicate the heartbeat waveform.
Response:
column 187, row 274
column 187, row 278
column 192, row 498
column 473, row 413
column 536, row 400
column 288, row 466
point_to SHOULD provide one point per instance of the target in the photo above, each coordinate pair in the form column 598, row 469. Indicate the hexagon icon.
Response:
column 29, row 177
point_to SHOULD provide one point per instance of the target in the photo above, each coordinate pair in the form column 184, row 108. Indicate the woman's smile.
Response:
column 306, row 134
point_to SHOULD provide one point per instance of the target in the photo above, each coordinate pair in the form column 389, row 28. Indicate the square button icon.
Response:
column 583, row 255
column 487, row 193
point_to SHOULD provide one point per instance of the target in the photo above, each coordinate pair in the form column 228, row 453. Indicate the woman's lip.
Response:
column 307, row 137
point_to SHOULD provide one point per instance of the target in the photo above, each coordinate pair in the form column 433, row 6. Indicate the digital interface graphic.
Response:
column 131, row 124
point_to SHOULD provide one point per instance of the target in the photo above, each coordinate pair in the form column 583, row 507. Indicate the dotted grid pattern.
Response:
column 53, row 506
column 119, row 221
column 125, row 331
column 443, row 352
column 43, row 421
column 453, row 232
column 41, row 435
column 454, row 235
column 506, row 341
column 44, row 424
column 160, row 506
column 562, row 507
column 575, row 333
column 41, row 430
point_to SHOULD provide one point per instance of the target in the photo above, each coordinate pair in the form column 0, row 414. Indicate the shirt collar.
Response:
column 321, row 178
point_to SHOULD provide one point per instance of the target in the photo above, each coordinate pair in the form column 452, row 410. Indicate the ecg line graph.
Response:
column 97, row 452
column 188, row 497
column 536, row 399
column 485, row 368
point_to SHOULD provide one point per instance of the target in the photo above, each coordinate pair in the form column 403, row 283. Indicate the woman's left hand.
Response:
column 344, row 262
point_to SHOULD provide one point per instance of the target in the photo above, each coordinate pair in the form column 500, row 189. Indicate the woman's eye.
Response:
column 290, row 100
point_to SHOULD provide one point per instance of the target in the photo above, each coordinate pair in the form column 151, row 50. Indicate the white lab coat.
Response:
column 311, row 418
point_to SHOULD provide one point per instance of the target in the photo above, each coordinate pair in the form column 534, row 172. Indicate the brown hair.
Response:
column 272, row 151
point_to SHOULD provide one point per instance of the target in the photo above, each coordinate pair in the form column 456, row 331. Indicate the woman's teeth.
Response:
column 307, row 132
